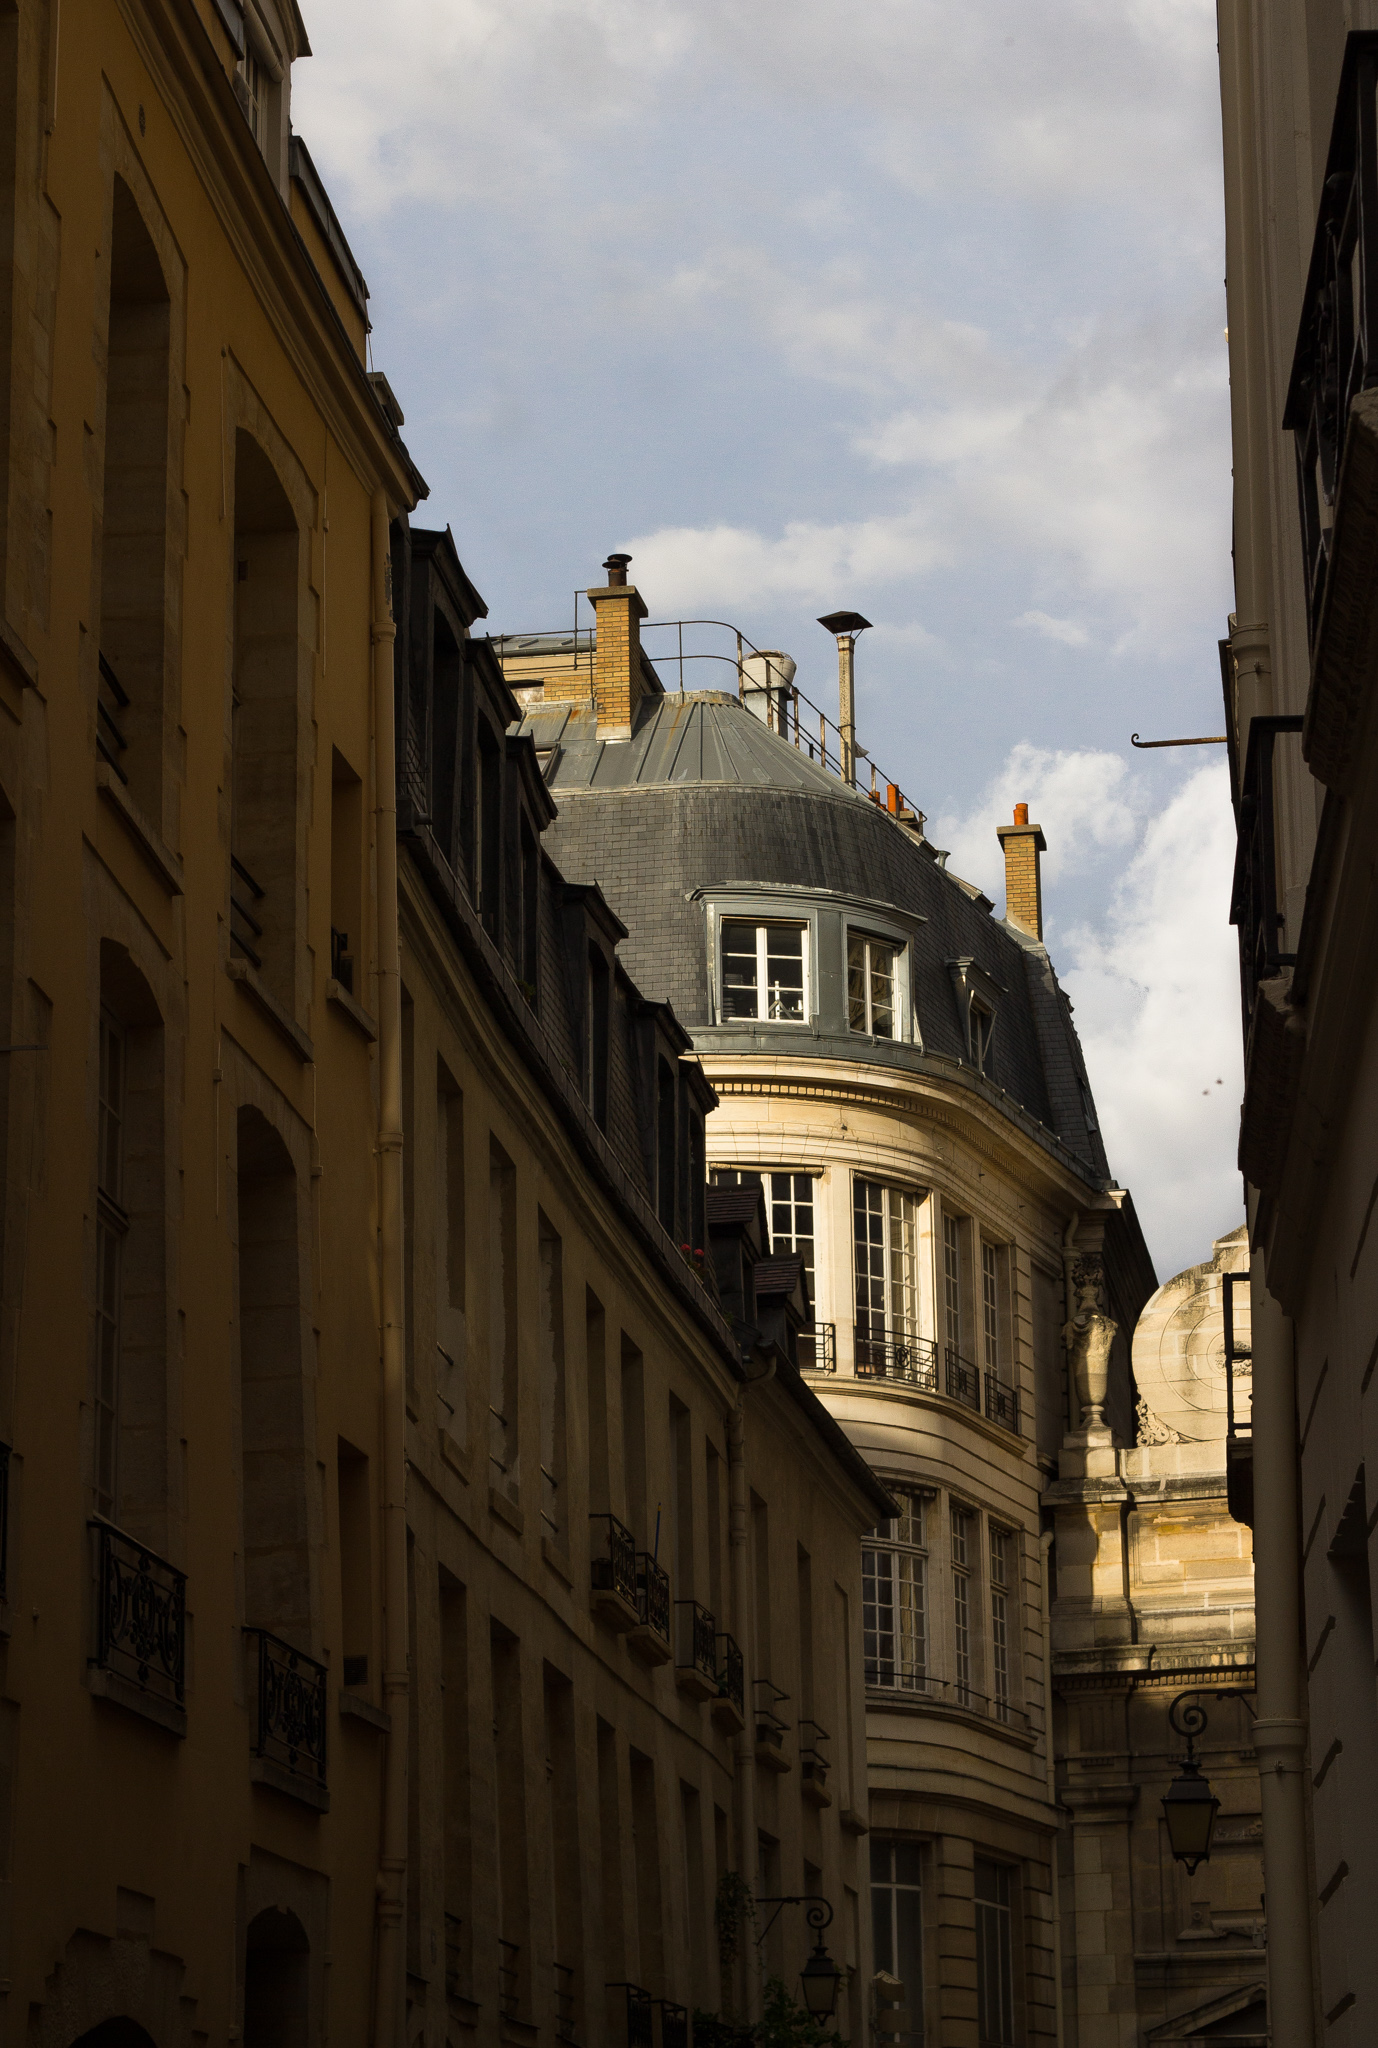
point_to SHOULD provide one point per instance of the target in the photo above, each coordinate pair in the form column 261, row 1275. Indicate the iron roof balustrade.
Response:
column 1336, row 354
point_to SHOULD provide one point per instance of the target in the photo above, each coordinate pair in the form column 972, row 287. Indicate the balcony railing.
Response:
column 888, row 1676
column 112, row 701
column 564, row 2004
column 1254, row 897
column 696, row 1641
column 289, row 1708
column 638, row 2009
column 454, row 1957
column 1334, row 360
column 615, row 1570
column 674, row 2024
column 141, row 1616
column 961, row 1379
column 1002, row 1403
column 509, row 1969
column 245, row 929
column 818, row 1348
column 731, row 1672
column 652, row 1594
column 895, row 1355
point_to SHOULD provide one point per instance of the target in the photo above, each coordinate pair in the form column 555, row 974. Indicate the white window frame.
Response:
column 898, row 951
column 905, row 1555
column 897, row 1329
column 763, row 921
column 1002, row 1544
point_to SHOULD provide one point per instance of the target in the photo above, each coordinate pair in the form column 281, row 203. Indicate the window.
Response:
column 791, row 1216
column 952, row 1282
column 990, row 1305
column 275, row 1487
column 1002, row 1590
column 883, row 1233
column 963, row 1619
column 871, row 985
column 111, row 1226
column 894, row 1591
column 982, row 1028
column 897, row 1920
column 994, row 1954
column 763, row 971
column 256, row 86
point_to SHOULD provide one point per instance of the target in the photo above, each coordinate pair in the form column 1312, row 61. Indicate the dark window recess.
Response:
column 1333, row 361
column 596, row 1033
column 665, row 1144
column 141, row 1615
column 341, row 960
column 994, row 1889
column 112, row 702
column 246, row 931
column 356, row 1670
column 1254, row 897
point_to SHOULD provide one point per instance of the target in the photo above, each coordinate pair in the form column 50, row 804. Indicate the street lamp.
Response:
column 1189, row 1805
column 820, row 1978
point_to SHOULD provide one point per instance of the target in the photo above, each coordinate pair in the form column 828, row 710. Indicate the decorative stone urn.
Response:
column 1091, row 1339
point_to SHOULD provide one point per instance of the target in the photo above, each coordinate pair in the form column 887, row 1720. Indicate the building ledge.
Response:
column 148, row 841
column 263, row 1771
column 122, row 1692
column 506, row 1510
column 268, row 1005
column 339, row 995
column 355, row 1708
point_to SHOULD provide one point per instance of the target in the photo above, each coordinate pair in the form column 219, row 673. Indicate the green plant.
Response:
column 733, row 1905
column 786, row 2025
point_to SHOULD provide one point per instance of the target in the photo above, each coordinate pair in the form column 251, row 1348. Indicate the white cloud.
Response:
column 1083, row 799
column 1065, row 631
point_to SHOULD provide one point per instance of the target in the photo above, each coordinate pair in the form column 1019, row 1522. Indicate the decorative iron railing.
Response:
column 244, row 891
column 894, row 1355
column 731, row 1672
column 639, row 2003
column 509, row 1975
column 885, row 1675
column 818, row 1348
column 290, row 1709
column 1336, row 354
column 615, row 1570
column 891, row 1675
column 961, row 1379
column 565, row 2029
column 112, row 700
column 141, row 1615
column 652, row 1594
column 696, row 1639
column 674, row 2024
column 1002, row 1403
column 1254, row 896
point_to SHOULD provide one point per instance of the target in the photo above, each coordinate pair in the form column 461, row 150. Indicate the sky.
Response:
column 916, row 309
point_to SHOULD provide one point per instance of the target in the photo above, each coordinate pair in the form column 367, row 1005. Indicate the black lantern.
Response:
column 819, row 1980
column 1189, row 1805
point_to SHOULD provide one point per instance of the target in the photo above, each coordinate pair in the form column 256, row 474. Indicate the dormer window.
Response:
column 764, row 971
column 257, row 86
column 871, row 970
column 982, row 1027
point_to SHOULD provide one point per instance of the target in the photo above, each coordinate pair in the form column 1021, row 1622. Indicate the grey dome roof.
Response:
column 705, row 794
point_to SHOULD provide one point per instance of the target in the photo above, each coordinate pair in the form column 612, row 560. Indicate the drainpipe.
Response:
column 737, row 1526
column 1280, row 1730
column 388, row 2029
column 1045, row 1545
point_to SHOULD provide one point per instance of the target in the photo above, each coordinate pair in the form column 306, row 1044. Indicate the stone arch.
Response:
column 117, row 2032
column 277, row 1980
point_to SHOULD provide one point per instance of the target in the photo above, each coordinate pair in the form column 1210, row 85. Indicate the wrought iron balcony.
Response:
column 141, row 1619
column 731, row 1672
column 962, row 1380
column 674, row 2024
column 289, row 1710
column 1254, row 896
column 895, row 1355
column 770, row 1728
column 696, row 1649
column 888, row 1676
column 892, row 1674
column 813, row 1762
column 638, row 2006
column 245, row 929
column 1334, row 361
column 652, row 1594
column 818, row 1348
column 613, row 1573
column 1002, row 1403
column 112, row 701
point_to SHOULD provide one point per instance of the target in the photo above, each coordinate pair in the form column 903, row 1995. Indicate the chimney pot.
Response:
column 1021, row 814
column 616, row 566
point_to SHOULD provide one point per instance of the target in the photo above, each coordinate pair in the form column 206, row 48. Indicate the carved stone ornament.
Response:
column 1151, row 1429
column 1090, row 1358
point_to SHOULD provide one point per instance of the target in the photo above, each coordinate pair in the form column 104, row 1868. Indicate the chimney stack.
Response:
column 1023, row 843
column 618, row 611
column 846, row 625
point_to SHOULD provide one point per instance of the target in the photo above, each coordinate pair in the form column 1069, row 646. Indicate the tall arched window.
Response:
column 266, row 824
column 133, row 584
column 277, row 1576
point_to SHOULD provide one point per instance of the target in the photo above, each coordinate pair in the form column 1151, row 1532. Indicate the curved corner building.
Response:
column 900, row 1070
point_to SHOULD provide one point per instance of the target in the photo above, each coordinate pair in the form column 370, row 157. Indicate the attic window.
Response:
column 982, row 1030
column 763, row 972
column 870, row 985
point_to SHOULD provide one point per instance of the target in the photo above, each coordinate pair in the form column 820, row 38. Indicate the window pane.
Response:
column 739, row 993
column 901, row 1246
column 952, row 1281
column 908, row 1858
column 856, row 981
column 990, row 1305
column 880, row 1859
column 791, row 1217
column 882, row 990
column 868, row 1228
column 878, row 1615
column 994, row 1955
column 785, row 972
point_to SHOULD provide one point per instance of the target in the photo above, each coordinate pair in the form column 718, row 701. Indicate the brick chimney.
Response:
column 1023, row 843
column 619, row 610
